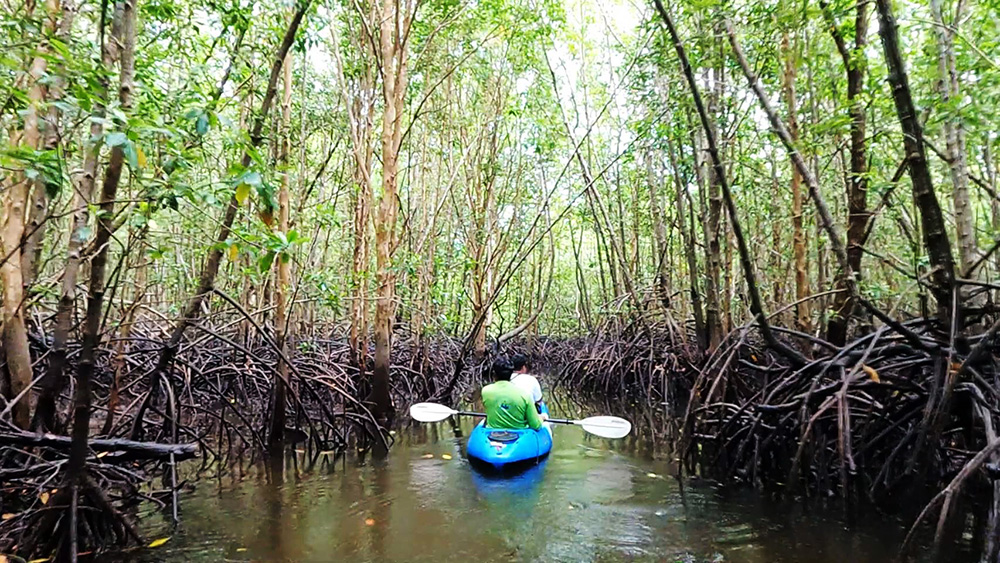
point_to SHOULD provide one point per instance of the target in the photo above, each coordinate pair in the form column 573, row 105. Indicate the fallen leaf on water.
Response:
column 240, row 549
column 445, row 456
column 652, row 476
column 44, row 497
column 571, row 507
column 9, row 515
column 159, row 542
column 392, row 432
column 428, row 456
column 369, row 521
column 101, row 454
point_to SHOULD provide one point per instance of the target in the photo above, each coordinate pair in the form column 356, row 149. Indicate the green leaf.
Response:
column 131, row 155
column 115, row 139
column 201, row 125
column 265, row 262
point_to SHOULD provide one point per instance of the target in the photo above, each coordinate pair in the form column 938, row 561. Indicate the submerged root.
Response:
column 77, row 518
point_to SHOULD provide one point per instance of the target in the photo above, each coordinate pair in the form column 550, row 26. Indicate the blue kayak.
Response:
column 501, row 447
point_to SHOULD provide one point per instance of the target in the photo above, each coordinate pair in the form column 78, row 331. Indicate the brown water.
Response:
column 591, row 500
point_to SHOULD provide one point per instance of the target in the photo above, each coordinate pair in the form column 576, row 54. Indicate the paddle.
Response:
column 603, row 426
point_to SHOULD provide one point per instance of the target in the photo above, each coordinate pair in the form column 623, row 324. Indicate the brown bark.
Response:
column 713, row 250
column 16, row 191
column 276, row 435
column 949, row 89
column 991, row 178
column 802, row 319
column 659, row 232
column 935, row 233
column 76, row 474
column 53, row 381
column 826, row 218
column 687, row 234
column 857, row 191
column 394, row 29
column 751, row 280
column 359, row 98
column 61, row 17
column 206, row 281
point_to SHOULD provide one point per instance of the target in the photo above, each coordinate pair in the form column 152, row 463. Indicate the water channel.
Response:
column 590, row 500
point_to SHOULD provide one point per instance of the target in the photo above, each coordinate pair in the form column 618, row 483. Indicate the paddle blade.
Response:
column 430, row 412
column 606, row 426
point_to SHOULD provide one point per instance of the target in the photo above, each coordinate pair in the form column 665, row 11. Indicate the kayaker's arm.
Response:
column 534, row 421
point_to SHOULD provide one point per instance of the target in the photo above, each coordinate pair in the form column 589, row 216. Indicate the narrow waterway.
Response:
column 590, row 500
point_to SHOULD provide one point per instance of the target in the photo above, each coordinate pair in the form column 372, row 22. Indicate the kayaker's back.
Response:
column 507, row 408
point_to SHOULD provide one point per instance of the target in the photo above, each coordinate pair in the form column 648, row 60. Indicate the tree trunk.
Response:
column 53, row 382
column 991, row 176
column 394, row 31
column 360, row 113
column 76, row 466
column 35, row 229
column 857, row 194
column 935, row 233
column 713, row 250
column 751, row 280
column 276, row 435
column 687, row 234
column 802, row 318
column 954, row 133
column 206, row 281
column 659, row 232
column 16, row 191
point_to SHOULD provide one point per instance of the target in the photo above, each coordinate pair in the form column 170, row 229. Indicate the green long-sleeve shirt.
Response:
column 508, row 407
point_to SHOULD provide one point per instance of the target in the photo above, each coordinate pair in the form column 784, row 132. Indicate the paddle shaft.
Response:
column 552, row 420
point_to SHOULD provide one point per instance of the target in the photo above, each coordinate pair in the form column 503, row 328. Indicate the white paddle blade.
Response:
column 606, row 426
column 430, row 412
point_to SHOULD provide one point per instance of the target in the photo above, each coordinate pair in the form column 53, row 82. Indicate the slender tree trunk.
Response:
column 16, row 191
column 359, row 98
column 206, row 281
column 857, row 194
column 659, row 231
column 949, row 89
column 713, row 250
column 76, row 475
column 802, row 318
column 35, row 229
column 935, row 233
column 276, row 435
column 53, row 381
column 689, row 250
column 751, row 279
column 396, row 17
column 991, row 175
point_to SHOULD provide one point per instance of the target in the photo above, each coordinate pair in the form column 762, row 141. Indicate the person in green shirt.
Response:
column 507, row 405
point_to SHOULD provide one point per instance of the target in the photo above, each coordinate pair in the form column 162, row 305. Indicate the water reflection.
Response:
column 520, row 485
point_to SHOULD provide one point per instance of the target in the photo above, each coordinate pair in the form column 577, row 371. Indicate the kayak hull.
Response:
column 503, row 447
